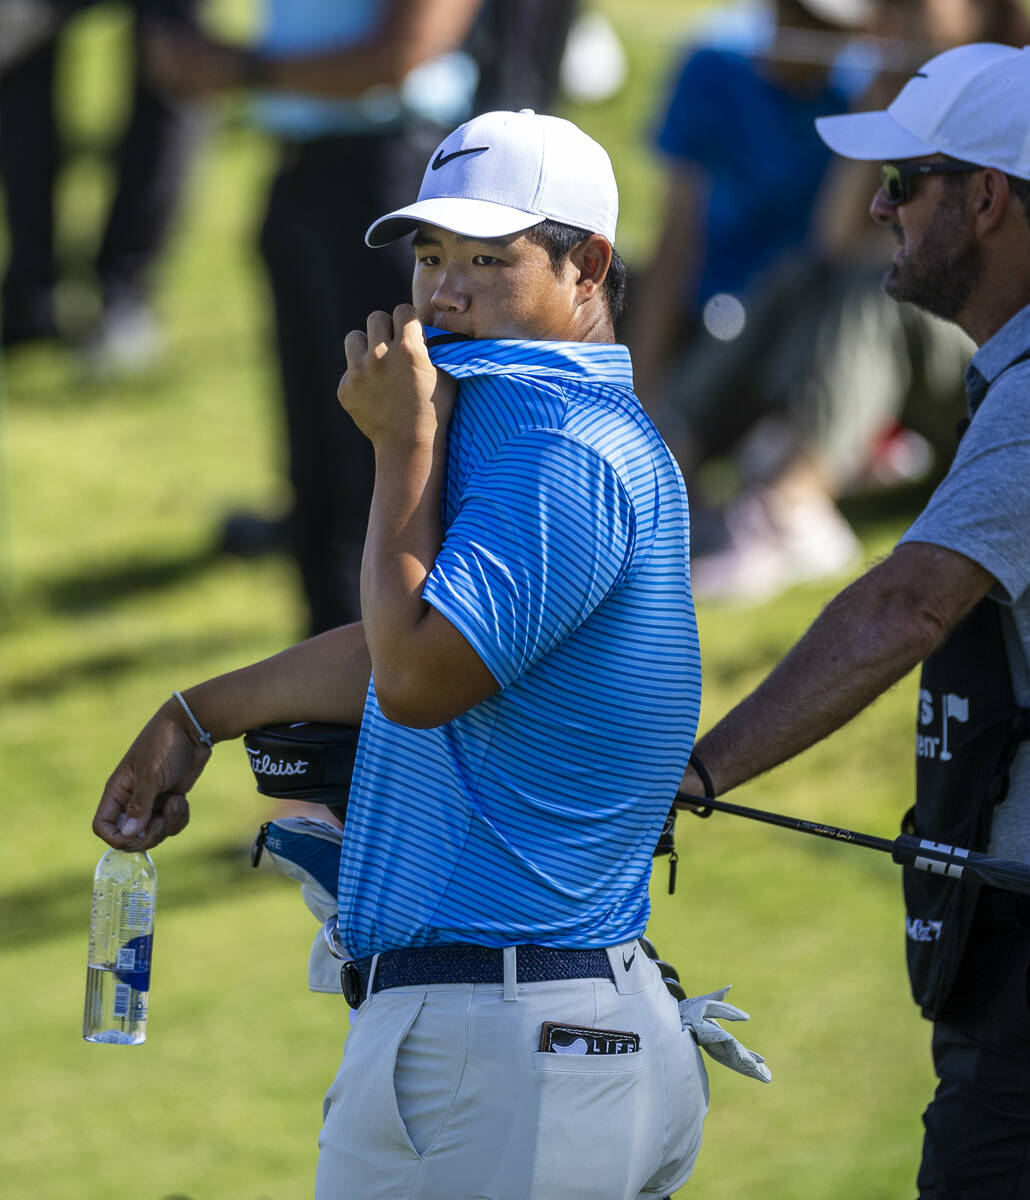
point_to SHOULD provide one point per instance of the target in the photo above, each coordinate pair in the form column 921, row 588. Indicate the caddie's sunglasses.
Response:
column 895, row 178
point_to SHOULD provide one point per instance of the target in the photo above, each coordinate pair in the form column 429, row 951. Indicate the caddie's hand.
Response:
column 690, row 785
column 699, row 1014
column 391, row 388
column 149, row 786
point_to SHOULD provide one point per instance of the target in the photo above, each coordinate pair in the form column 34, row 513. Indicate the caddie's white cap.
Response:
column 971, row 103
column 503, row 172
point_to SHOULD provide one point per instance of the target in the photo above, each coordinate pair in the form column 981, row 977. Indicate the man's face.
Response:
column 491, row 287
column 938, row 261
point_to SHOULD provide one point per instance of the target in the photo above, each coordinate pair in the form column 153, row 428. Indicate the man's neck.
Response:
column 994, row 306
column 1003, row 288
column 594, row 326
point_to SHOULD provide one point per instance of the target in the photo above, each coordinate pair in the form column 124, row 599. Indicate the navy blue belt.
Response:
column 424, row 965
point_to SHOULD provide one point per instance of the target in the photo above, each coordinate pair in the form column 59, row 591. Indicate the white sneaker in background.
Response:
column 817, row 542
column 772, row 546
column 125, row 342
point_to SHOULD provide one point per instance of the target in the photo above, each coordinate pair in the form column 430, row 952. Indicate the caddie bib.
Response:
column 968, row 730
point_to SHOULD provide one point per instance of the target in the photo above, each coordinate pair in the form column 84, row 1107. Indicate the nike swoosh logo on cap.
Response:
column 442, row 159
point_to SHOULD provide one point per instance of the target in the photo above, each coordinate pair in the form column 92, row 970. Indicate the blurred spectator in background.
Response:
column 519, row 47
column 760, row 330
column 150, row 166
column 358, row 93
column 744, row 166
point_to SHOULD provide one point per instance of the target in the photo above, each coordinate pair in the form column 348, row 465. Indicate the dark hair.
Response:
column 1021, row 187
column 560, row 240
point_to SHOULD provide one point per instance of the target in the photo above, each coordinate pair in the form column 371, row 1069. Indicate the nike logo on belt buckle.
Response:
column 442, row 159
column 628, row 962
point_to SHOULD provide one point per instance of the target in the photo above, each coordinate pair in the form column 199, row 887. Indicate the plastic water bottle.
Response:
column 121, row 937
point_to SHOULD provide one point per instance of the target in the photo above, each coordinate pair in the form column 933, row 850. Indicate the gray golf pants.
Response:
column 444, row 1094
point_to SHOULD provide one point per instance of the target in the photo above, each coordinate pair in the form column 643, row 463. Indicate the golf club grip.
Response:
column 958, row 864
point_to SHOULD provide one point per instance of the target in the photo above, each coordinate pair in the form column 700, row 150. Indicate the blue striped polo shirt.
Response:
column 532, row 816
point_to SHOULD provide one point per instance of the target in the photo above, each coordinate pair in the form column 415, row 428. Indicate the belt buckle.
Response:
column 350, row 980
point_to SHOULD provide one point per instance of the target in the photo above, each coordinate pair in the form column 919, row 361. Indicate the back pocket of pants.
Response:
column 592, row 1127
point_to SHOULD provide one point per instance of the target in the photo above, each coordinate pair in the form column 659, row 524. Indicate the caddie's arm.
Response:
column 425, row 671
column 322, row 679
column 865, row 640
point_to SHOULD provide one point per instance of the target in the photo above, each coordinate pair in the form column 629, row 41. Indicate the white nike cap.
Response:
column 503, row 172
column 971, row 103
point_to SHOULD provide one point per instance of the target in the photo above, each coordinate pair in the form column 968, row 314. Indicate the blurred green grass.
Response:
column 113, row 595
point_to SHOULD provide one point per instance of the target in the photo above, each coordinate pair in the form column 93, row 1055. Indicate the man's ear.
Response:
column 991, row 198
column 591, row 258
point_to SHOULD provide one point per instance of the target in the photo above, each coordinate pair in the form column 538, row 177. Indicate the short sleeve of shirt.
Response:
column 693, row 126
column 982, row 508
column 543, row 532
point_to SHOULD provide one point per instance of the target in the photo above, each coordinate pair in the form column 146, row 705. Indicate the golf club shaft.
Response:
column 952, row 862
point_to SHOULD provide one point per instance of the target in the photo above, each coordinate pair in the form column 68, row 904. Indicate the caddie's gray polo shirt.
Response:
column 982, row 510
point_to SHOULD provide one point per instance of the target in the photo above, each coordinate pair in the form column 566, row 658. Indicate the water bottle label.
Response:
column 122, row 994
column 133, row 963
column 137, row 912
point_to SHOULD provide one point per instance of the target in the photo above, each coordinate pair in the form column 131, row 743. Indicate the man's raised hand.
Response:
column 391, row 388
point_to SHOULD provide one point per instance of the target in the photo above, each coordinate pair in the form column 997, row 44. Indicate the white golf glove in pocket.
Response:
column 699, row 1014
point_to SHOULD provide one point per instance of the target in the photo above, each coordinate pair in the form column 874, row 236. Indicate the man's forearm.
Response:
column 403, row 540
column 864, row 641
column 322, row 679
column 824, row 681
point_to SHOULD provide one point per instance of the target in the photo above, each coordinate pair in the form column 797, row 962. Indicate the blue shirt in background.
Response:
column 533, row 816
column 757, row 143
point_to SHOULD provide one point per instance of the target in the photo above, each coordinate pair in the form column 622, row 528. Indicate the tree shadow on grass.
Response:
column 106, row 665
column 101, row 586
column 49, row 909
